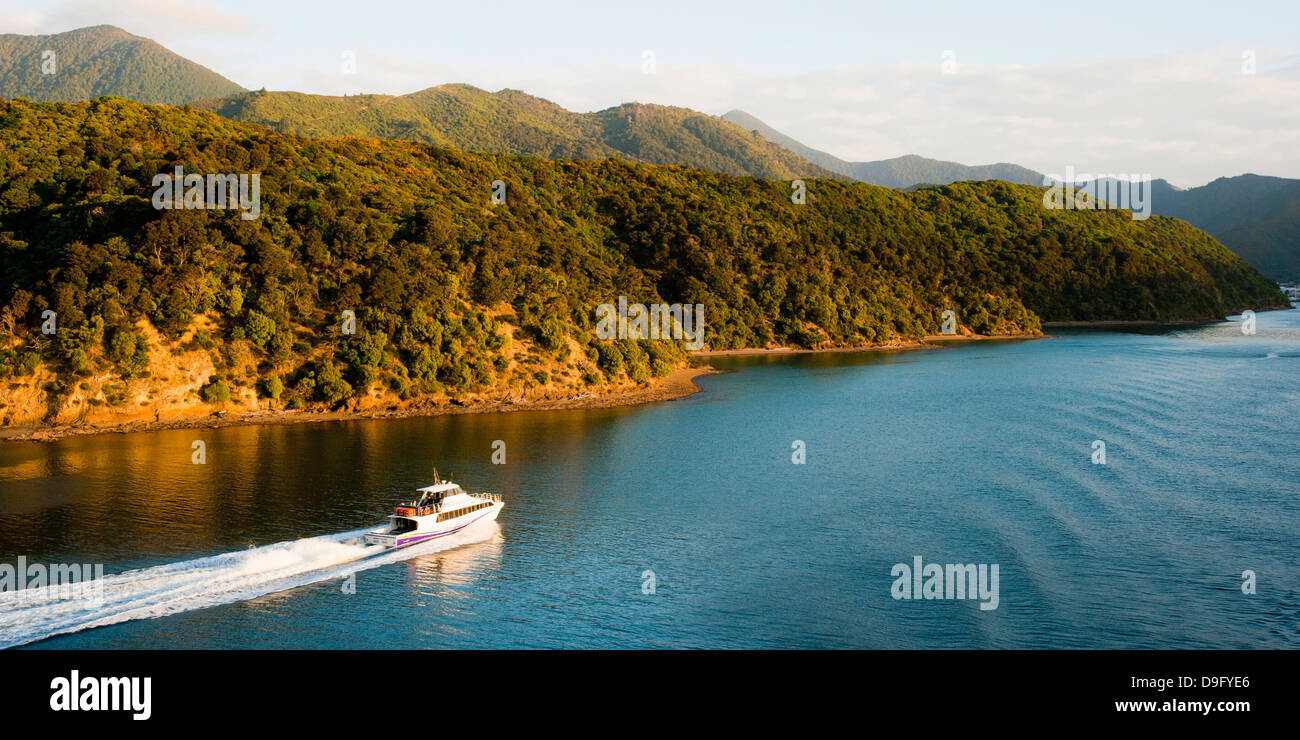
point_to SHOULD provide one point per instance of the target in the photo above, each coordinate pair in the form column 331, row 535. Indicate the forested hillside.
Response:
column 455, row 295
column 512, row 122
column 91, row 62
column 1257, row 217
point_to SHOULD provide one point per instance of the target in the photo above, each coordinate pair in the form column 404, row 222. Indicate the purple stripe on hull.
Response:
column 423, row 537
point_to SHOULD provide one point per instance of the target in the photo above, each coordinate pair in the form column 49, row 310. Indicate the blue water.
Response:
column 978, row 453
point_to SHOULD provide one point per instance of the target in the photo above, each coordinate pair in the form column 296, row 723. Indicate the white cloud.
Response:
column 21, row 21
column 154, row 19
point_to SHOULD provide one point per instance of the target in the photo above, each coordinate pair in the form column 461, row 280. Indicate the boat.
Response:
column 439, row 510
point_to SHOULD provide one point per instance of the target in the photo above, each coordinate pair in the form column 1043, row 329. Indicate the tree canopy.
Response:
column 405, row 235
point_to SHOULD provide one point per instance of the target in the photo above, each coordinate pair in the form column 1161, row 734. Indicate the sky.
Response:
column 1187, row 91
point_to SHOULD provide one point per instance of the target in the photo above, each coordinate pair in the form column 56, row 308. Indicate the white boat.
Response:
column 439, row 510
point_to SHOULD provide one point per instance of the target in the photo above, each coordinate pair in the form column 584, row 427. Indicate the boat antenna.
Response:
column 436, row 479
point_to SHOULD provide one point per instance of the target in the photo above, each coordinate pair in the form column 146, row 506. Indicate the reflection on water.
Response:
column 978, row 453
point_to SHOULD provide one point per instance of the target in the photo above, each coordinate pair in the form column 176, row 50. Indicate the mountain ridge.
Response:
column 509, row 121
column 1256, row 216
column 908, row 170
column 102, row 60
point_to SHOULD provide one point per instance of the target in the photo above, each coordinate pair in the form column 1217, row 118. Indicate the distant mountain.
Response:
column 512, row 122
column 910, row 169
column 1257, row 217
column 102, row 60
column 903, row 172
column 816, row 156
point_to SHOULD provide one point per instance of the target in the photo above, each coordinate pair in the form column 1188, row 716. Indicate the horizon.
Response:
column 1151, row 104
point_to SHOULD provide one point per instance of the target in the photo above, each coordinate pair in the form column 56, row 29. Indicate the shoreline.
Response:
column 1143, row 323
column 1121, row 324
column 931, row 341
column 677, row 384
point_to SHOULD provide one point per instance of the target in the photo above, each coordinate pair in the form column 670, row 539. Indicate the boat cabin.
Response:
column 429, row 501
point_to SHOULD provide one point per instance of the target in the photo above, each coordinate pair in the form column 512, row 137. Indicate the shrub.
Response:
column 274, row 387
column 260, row 328
column 130, row 351
column 330, row 385
column 215, row 392
column 610, row 360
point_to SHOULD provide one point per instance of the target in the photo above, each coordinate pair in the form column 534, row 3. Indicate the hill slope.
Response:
column 455, row 296
column 1255, row 216
column 900, row 172
column 511, row 122
column 103, row 60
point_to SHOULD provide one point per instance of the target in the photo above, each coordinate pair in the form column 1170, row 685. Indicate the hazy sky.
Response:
column 1105, row 87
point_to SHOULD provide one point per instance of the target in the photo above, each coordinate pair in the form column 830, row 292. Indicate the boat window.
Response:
column 401, row 525
column 444, row 516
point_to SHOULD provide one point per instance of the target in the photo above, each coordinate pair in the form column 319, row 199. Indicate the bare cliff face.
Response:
column 168, row 388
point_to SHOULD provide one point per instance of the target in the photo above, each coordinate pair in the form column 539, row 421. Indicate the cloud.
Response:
column 154, row 19
column 21, row 21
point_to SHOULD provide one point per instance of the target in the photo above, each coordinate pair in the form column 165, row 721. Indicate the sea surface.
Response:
column 689, row 524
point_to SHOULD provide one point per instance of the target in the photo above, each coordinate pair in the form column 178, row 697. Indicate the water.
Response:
column 978, row 453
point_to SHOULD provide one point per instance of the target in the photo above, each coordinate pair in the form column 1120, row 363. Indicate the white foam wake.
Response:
column 29, row 615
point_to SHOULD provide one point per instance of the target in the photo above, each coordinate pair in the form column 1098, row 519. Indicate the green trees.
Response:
column 259, row 328
column 130, row 351
column 511, row 122
column 610, row 359
column 330, row 385
column 103, row 60
column 215, row 391
column 365, row 353
column 550, row 334
column 400, row 234
column 274, row 387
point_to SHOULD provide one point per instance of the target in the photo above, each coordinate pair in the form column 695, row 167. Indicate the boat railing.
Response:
column 489, row 496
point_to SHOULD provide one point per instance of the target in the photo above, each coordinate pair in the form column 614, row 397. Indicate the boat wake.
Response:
column 34, row 614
